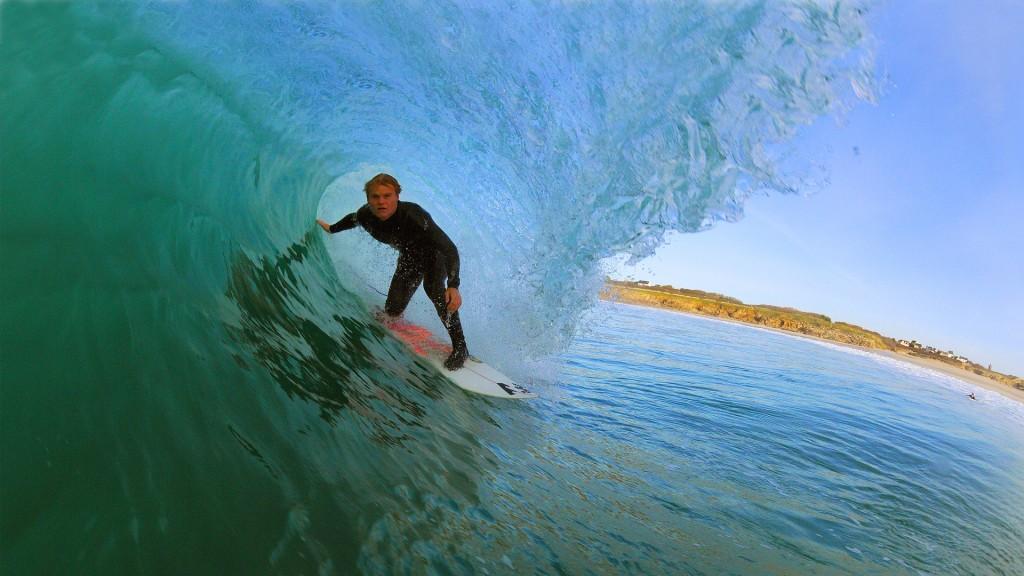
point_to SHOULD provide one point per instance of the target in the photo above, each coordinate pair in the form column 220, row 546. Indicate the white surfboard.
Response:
column 474, row 375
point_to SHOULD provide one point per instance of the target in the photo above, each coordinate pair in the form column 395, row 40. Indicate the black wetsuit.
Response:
column 425, row 254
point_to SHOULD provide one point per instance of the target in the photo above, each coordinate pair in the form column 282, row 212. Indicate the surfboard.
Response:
column 474, row 376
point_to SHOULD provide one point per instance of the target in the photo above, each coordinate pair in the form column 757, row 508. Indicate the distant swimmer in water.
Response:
column 971, row 396
column 425, row 254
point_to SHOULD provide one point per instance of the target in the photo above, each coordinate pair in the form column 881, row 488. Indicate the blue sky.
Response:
column 919, row 233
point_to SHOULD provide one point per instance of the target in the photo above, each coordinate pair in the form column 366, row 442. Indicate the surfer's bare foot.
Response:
column 456, row 359
column 385, row 318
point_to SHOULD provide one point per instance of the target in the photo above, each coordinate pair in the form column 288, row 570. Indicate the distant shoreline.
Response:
column 705, row 305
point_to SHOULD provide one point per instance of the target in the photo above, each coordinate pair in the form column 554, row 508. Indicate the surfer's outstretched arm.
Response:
column 345, row 223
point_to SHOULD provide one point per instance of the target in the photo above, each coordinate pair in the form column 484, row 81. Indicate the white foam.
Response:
column 984, row 395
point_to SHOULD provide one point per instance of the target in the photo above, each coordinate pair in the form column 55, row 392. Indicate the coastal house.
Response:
column 904, row 343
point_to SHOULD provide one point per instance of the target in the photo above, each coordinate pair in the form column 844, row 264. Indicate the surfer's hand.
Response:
column 324, row 225
column 453, row 299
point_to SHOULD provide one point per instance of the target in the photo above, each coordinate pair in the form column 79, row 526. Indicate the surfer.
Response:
column 425, row 254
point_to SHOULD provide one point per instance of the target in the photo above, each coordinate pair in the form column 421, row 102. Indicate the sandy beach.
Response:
column 965, row 375
column 941, row 367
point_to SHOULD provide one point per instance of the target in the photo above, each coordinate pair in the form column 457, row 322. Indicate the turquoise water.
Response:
column 719, row 448
column 192, row 381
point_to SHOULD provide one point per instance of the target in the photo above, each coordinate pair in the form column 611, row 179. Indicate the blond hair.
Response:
column 382, row 179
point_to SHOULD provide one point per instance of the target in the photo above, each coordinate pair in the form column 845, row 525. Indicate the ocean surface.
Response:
column 192, row 382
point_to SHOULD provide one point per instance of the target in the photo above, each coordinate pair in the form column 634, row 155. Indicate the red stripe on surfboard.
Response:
column 418, row 338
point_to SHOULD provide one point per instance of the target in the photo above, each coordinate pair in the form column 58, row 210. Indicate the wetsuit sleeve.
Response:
column 445, row 246
column 345, row 223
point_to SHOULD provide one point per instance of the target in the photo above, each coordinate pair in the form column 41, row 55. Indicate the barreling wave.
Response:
column 182, row 354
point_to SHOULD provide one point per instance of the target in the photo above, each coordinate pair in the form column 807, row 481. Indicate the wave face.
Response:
column 192, row 381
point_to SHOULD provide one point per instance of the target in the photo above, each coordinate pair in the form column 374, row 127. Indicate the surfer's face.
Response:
column 383, row 200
